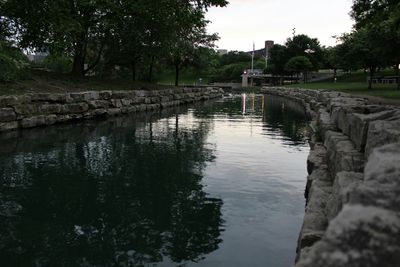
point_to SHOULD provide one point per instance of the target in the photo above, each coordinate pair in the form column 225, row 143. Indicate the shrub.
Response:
column 60, row 64
column 12, row 62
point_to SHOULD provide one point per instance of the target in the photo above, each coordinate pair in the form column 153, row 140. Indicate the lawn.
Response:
column 48, row 82
column 379, row 90
column 356, row 83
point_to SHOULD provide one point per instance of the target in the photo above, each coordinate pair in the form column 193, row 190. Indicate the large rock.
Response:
column 49, row 97
column 359, row 124
column 316, row 158
column 382, row 180
column 341, row 154
column 7, row 126
column 324, row 122
column 381, row 133
column 344, row 183
column 358, row 237
column 7, row 115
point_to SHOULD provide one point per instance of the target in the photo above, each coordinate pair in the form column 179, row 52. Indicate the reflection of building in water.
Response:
column 252, row 103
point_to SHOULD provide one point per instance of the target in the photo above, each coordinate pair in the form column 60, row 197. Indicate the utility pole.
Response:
column 252, row 59
column 252, row 64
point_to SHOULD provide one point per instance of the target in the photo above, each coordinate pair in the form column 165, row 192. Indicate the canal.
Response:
column 219, row 183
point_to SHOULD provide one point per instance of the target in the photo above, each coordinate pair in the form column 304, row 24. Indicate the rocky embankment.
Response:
column 352, row 215
column 32, row 110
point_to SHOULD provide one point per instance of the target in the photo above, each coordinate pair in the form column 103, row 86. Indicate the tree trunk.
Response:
column 371, row 75
column 78, row 65
column 151, row 69
column 176, row 74
column 398, row 78
column 133, row 68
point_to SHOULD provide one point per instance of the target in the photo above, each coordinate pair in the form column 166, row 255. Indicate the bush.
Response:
column 60, row 64
column 8, row 68
column 12, row 62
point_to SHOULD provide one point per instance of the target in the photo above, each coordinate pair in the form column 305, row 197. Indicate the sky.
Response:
column 245, row 21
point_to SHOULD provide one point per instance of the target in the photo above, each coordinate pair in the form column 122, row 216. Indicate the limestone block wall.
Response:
column 352, row 215
column 32, row 110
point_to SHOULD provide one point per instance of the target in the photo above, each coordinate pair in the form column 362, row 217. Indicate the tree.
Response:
column 303, row 45
column 299, row 64
column 235, row 57
column 278, row 58
column 120, row 31
column 59, row 26
column 381, row 21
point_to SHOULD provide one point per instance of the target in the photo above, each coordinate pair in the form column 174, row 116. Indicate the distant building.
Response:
column 222, row 52
column 268, row 45
column 253, row 72
column 264, row 51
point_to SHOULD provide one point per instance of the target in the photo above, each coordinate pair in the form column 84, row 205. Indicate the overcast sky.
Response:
column 245, row 21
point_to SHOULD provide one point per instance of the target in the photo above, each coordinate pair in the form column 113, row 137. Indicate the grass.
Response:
column 356, row 83
column 48, row 82
column 185, row 78
column 361, row 88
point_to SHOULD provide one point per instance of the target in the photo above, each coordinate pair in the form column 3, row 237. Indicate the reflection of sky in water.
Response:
column 259, row 173
column 154, row 186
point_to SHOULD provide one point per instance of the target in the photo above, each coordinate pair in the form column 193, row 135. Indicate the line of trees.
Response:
column 102, row 34
column 372, row 45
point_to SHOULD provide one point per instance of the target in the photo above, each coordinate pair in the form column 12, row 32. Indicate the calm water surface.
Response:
column 215, row 184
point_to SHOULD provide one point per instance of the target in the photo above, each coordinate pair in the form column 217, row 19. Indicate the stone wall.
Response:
column 352, row 215
column 32, row 110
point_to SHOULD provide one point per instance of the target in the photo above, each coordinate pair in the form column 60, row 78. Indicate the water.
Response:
column 215, row 184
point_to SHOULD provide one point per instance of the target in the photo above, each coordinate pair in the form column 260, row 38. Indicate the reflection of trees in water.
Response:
column 287, row 116
column 279, row 115
column 119, row 192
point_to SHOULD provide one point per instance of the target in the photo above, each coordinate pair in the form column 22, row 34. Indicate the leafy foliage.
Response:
column 12, row 62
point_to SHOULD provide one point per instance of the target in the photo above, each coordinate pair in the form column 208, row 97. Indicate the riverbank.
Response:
column 42, row 109
column 353, row 185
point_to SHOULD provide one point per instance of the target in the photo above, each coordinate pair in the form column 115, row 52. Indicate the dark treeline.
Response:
column 372, row 45
column 103, row 36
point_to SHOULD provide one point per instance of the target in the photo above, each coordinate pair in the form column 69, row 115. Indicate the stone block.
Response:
column 359, row 236
column 341, row 154
column 153, row 106
column 84, row 96
column 382, row 132
column 95, row 112
column 49, row 97
column 316, row 158
column 10, row 101
column 114, row 111
column 105, row 95
column 45, row 109
column 324, row 122
column 99, row 104
column 116, row 103
column 33, row 121
column 359, row 124
column 126, row 102
column 344, row 183
column 75, row 108
column 129, row 109
column 7, row 126
column 122, row 95
column 26, row 110
column 381, row 186
column 7, row 115
column 141, row 93
column 154, row 99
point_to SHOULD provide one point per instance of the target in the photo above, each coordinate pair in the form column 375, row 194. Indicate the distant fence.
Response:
column 384, row 79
